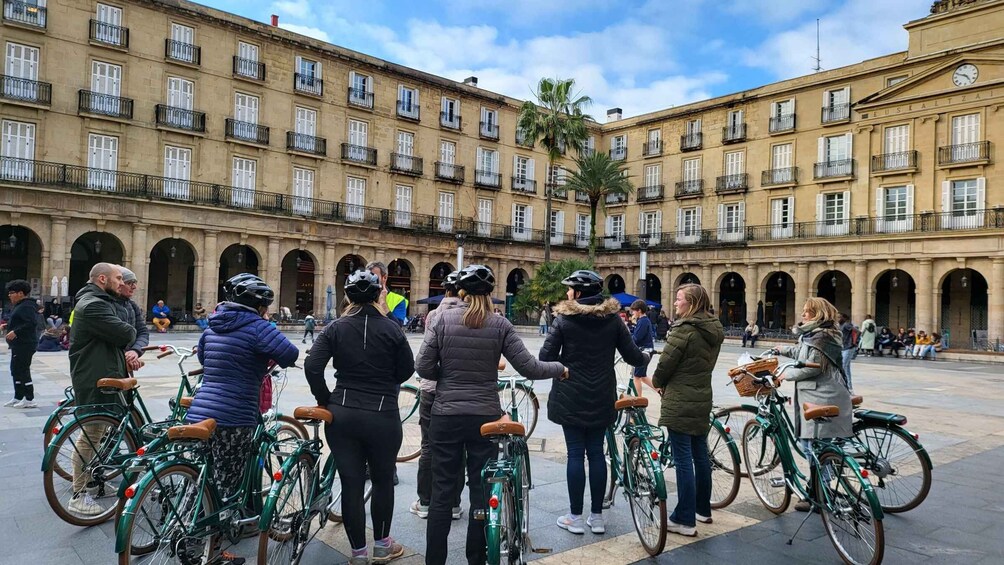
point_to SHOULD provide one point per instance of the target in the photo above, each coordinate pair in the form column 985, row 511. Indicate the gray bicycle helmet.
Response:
column 362, row 287
column 476, row 280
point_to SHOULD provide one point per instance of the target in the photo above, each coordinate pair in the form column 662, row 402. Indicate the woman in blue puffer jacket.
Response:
column 235, row 351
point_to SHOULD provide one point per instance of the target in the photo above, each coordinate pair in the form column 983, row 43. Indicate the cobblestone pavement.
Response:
column 955, row 407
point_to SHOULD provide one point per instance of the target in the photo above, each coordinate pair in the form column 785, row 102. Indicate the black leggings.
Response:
column 360, row 439
column 20, row 370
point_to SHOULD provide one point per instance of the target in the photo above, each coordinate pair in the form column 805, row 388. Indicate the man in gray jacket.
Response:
column 130, row 312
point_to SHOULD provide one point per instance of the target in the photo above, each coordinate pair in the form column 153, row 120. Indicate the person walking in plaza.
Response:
column 820, row 343
column 751, row 333
column 585, row 336
column 643, row 335
column 544, row 320
column 131, row 312
column 848, row 348
column 461, row 351
column 371, row 357
column 98, row 337
column 427, row 398
column 21, row 335
column 869, row 333
column 161, row 315
column 309, row 323
column 684, row 376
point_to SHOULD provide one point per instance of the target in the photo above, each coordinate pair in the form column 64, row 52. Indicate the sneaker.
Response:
column 10, row 403
column 575, row 526
column 26, row 404
column 359, row 561
column 704, row 519
column 419, row 509
column 387, row 554
column 227, row 558
column 595, row 523
column 689, row 531
column 83, row 503
column 458, row 512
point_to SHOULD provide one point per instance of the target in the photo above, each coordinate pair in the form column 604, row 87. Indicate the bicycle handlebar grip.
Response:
column 165, row 354
column 812, row 365
column 196, row 372
column 151, row 347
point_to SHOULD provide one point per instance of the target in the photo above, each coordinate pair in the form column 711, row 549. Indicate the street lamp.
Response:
column 833, row 281
column 12, row 240
column 895, row 281
column 643, row 240
column 174, row 251
column 97, row 247
column 732, row 282
column 461, row 238
column 964, row 281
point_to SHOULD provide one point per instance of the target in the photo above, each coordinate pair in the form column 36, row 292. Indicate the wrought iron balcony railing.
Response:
column 359, row 154
column 734, row 133
column 104, row 104
column 108, row 34
column 246, row 131
column 25, row 13
column 248, row 68
column 785, row 122
column 182, row 52
column 777, row 177
column 618, row 153
column 487, row 179
column 361, row 98
column 449, row 172
column 964, row 153
column 308, row 84
column 691, row 141
column 615, row 199
column 180, row 118
column 651, row 148
column 834, row 169
column 25, row 90
column 489, row 130
column 652, row 193
column 407, row 164
column 448, row 120
column 306, row 143
column 730, row 184
column 689, row 189
column 408, row 110
column 524, row 185
column 836, row 113
column 899, row 161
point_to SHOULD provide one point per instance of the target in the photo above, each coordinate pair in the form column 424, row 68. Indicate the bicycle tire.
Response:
column 763, row 475
column 408, row 406
column 55, row 495
column 724, row 467
column 734, row 418
column 609, row 449
column 839, row 490
column 166, row 542
column 288, row 530
column 55, row 420
column 528, row 407
column 638, row 461
column 335, row 514
column 879, row 440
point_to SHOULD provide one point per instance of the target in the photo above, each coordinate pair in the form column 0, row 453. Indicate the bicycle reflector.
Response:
column 141, row 451
column 864, row 473
column 728, row 430
column 277, row 475
column 493, row 502
column 131, row 491
column 655, row 455
column 55, row 430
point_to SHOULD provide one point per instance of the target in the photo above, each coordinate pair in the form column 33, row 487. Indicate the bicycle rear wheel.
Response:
column 502, row 531
column 411, row 438
column 289, row 524
column 734, row 418
column 900, row 475
column 763, row 465
column 847, row 514
column 527, row 406
column 335, row 514
column 648, row 507
column 724, row 458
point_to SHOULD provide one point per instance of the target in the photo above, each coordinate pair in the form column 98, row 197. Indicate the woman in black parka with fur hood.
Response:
column 584, row 338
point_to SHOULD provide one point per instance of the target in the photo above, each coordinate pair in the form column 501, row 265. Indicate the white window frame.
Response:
column 362, row 89
column 557, row 227
column 835, row 219
column 243, row 181
column 895, row 145
column 731, row 221
column 111, row 16
column 894, row 221
column 582, row 230
column 303, row 191
column 614, row 236
column 177, row 172
column 965, row 134
column 21, row 61
column 450, row 107
column 102, row 161
column 355, row 198
column 522, row 222
column 688, row 225
column 407, row 100
column 485, row 216
column 106, row 78
column 248, row 59
column 446, row 211
column 402, row 205
column 618, row 147
column 183, row 37
column 487, row 176
column 358, row 140
column 966, row 217
column 782, row 163
column 650, row 223
column 17, row 150
column 782, row 217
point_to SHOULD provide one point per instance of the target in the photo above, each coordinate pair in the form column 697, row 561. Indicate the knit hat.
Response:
column 128, row 276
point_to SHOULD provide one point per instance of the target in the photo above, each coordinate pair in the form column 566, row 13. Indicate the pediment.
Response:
column 937, row 81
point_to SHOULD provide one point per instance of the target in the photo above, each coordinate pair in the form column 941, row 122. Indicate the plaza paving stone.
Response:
column 955, row 407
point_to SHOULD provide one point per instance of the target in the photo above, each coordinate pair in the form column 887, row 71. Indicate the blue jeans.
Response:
column 693, row 477
column 846, row 356
column 581, row 443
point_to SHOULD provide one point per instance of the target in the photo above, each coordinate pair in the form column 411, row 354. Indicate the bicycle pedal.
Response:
column 777, row 483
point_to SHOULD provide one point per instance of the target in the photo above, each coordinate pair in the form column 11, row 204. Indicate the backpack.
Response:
column 855, row 336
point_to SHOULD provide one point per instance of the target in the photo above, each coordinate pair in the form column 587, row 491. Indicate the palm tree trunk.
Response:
column 547, row 214
column 592, row 230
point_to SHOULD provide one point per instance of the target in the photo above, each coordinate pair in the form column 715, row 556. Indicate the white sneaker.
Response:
column 704, row 519
column 575, row 526
column 83, row 503
column 689, row 531
column 10, row 403
column 419, row 509
column 595, row 523
column 25, row 403
column 458, row 512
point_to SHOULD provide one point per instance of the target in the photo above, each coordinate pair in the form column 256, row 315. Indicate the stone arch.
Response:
column 21, row 257
column 436, row 276
column 347, row 265
column 235, row 259
column 400, row 272
column 614, row 283
column 836, row 287
column 964, row 310
column 171, row 276
column 780, row 310
column 298, row 270
column 89, row 249
column 731, row 307
column 515, row 279
column 653, row 288
column 687, row 277
column 895, row 299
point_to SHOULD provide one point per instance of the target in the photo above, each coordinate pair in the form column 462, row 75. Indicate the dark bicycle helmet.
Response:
column 476, row 280
column 362, row 287
column 587, row 282
column 450, row 282
column 228, row 287
column 251, row 291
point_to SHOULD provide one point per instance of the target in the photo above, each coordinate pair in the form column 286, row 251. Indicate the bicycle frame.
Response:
column 507, row 471
column 636, row 426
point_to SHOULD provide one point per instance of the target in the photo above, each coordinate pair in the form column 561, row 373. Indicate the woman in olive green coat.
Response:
column 684, row 376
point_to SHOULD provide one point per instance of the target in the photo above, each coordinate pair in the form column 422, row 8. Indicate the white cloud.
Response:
column 776, row 11
column 299, row 9
column 527, row 13
column 314, row 32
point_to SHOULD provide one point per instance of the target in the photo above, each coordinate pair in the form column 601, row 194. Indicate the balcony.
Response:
column 408, row 110
column 779, row 124
column 359, row 154
column 523, row 141
column 581, row 197
column 304, row 143
column 180, row 118
column 246, row 132
column 653, row 193
column 24, row 90
column 651, row 148
column 108, row 34
column 360, row 98
column 834, row 170
column 449, row 172
column 557, row 191
column 182, row 52
column 487, row 179
column 308, row 84
column 24, row 14
column 449, row 121
column 615, row 199
column 406, row 164
column 835, row 114
column 964, row 154
column 892, row 163
column 689, row 189
column 734, row 133
column 489, row 130
column 249, row 69
column 779, row 177
column 618, row 153
column 732, row 184
column 104, row 105
column 691, row 141
column 524, row 185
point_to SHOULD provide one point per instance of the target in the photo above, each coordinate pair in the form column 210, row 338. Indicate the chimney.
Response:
column 471, row 81
column 614, row 114
column 275, row 20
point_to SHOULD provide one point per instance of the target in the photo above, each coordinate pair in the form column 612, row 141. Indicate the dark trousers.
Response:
column 20, row 371
column 749, row 337
column 582, row 443
column 450, row 437
column 693, row 478
column 361, row 439
column 310, row 333
column 425, row 459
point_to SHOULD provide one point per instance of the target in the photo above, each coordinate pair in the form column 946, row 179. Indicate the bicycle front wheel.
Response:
column 526, row 408
column 290, row 521
column 899, row 472
column 724, row 458
column 733, row 419
column 846, row 507
column 411, row 437
column 648, row 505
column 763, row 465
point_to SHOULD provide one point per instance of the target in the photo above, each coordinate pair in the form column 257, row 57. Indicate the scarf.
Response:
column 825, row 338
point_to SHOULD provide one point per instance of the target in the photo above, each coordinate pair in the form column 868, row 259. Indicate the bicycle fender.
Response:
column 866, row 485
column 493, row 526
column 268, row 508
column 50, row 450
column 920, row 448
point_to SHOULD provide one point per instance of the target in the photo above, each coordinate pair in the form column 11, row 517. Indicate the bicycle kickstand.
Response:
column 812, row 509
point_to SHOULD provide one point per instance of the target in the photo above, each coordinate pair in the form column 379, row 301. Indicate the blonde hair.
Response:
column 820, row 310
column 698, row 299
column 478, row 310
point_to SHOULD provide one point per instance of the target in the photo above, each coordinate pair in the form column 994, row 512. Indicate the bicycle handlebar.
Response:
column 150, row 347
column 165, row 354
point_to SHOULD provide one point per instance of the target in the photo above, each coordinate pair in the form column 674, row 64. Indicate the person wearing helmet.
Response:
column 461, row 351
column 584, row 338
column 371, row 357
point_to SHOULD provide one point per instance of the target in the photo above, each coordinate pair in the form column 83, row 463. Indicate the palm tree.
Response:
column 557, row 122
column 598, row 177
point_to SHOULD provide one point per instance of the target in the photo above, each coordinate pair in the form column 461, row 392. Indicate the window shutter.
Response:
column 909, row 206
column 369, row 85
column 679, row 221
column 658, row 227
column 513, row 216
column 793, row 105
column 529, row 169
column 515, row 165
column 742, row 217
column 820, row 210
column 529, row 218
column 847, row 94
column 699, row 219
column 697, row 125
column 721, row 220
column 821, row 153
column 352, row 79
column 946, row 196
column 414, row 100
column 826, row 99
column 847, row 206
column 641, row 222
column 739, row 116
column 880, row 209
column 299, row 63
column 608, row 224
column 850, row 145
column 981, row 193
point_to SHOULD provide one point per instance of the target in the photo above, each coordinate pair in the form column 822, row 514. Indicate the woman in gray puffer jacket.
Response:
column 461, row 351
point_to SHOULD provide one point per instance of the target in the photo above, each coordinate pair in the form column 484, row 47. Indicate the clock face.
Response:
column 965, row 75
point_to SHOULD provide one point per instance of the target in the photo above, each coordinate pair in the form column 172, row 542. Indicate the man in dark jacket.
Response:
column 131, row 312
column 22, row 338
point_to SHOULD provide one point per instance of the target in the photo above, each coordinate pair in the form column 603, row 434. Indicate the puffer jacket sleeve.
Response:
column 200, row 350
column 521, row 359
column 627, row 348
column 142, row 332
column 427, row 364
column 275, row 346
column 551, row 350
column 405, row 360
column 676, row 345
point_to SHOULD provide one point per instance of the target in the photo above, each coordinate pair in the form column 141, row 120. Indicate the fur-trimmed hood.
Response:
column 574, row 308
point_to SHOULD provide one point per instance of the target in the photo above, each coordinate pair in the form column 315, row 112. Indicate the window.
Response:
column 735, row 163
column 522, row 174
column 581, row 230
column 182, row 45
column 894, row 208
column 106, row 80
column 731, row 221
column 692, row 175
column 833, row 212
column 618, row 147
column 306, row 121
column 487, row 167
column 402, row 206
column 557, row 227
column 447, row 152
column 837, row 148
column 407, row 102
column 522, row 221
column 693, row 127
column 782, row 115
column 489, row 123
column 688, row 225
column 450, row 113
column 109, row 28
column 246, row 110
column 246, row 64
column 556, row 176
column 358, row 138
column 735, row 128
column 180, row 102
column 102, row 159
column 895, row 147
column 781, row 169
column 21, row 63
column 243, row 180
column 355, row 197
column 834, row 156
column 17, row 150
column 651, row 223
column 964, row 202
column 893, row 81
column 653, row 146
column 445, row 212
column 653, row 175
column 303, row 191
column 360, row 90
column 782, row 217
column 308, row 76
column 615, row 231
column 405, row 143
column 654, row 136
column 485, row 216
column 965, row 136
column 177, row 171
column 590, row 146
column 837, row 104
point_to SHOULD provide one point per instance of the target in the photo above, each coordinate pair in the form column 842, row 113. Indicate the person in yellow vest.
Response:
column 396, row 305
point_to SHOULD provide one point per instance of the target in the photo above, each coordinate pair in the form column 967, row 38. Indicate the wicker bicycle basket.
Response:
column 742, row 376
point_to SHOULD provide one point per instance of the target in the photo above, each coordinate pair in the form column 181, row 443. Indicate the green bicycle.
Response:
column 507, row 482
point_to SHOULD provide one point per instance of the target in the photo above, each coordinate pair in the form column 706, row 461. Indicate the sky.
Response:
column 639, row 55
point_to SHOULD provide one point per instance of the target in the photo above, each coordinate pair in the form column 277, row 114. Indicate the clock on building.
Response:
column 965, row 75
